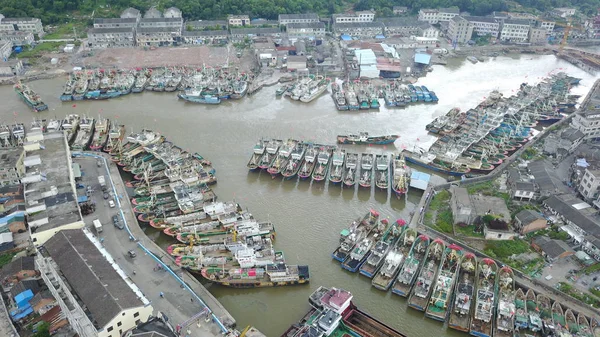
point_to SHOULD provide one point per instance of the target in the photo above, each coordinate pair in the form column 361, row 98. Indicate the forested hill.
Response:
column 59, row 11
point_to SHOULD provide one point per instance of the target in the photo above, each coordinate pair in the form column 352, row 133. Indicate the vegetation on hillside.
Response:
column 61, row 11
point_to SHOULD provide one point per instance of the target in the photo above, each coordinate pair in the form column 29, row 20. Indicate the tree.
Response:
column 43, row 330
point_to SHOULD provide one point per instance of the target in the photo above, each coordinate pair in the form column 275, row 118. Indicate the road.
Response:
column 178, row 304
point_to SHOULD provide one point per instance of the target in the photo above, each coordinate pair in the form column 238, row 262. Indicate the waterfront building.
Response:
column 430, row 32
column 111, row 37
column 155, row 36
column 515, row 30
column 50, row 197
column 306, row 30
column 402, row 27
column 74, row 264
column 530, row 18
column 131, row 13
column 460, row 30
column 238, row 20
column 31, row 25
column 551, row 250
column 484, row 25
column 547, row 183
column 100, row 23
column 11, row 165
column 359, row 16
column 174, row 25
column 359, row 29
column 589, row 185
column 538, row 36
column 588, row 122
column 240, row 34
column 17, row 38
column 579, row 218
column 285, row 19
column 461, row 206
column 11, row 68
column 172, row 12
column 205, row 36
column 23, row 268
column 548, row 25
column 438, row 15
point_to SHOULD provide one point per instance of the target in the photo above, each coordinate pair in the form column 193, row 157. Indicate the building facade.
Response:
column 528, row 221
column 115, row 23
column 434, row 16
column 547, row 25
column 238, row 20
column 205, row 37
column 460, row 30
column 5, row 49
column 111, row 37
column 285, row 19
column 399, row 10
column 359, row 29
column 17, row 38
column 402, row 27
column 172, row 12
column 588, row 122
column 32, row 25
column 484, row 25
column 589, row 186
column 174, row 25
column 460, row 203
column 11, row 166
column 306, row 30
column 360, row 16
column 515, row 30
column 155, row 36
column 538, row 36
column 240, row 34
column 430, row 32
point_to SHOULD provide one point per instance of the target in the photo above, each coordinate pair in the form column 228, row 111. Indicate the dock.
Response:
column 176, row 283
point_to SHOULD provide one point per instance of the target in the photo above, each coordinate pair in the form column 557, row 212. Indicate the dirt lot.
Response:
column 184, row 56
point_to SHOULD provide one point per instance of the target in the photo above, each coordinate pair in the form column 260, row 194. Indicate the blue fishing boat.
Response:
column 413, row 93
column 426, row 94
column 419, row 93
column 434, row 98
column 194, row 96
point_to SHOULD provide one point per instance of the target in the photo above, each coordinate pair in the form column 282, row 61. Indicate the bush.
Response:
column 560, row 235
column 444, row 221
column 506, row 248
column 439, row 200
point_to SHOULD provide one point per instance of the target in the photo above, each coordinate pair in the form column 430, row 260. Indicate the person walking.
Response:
column 162, row 295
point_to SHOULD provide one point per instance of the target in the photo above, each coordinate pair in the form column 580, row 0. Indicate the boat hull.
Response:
column 434, row 168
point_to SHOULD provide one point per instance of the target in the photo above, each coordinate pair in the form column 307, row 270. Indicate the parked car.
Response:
column 111, row 203
column 106, row 195
column 115, row 218
column 131, row 254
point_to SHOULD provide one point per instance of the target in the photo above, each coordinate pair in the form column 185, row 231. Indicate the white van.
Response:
column 111, row 203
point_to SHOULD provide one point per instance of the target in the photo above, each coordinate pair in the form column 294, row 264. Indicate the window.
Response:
column 499, row 236
column 136, row 314
column 119, row 324
column 110, row 328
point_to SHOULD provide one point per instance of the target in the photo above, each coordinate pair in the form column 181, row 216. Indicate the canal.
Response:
column 308, row 217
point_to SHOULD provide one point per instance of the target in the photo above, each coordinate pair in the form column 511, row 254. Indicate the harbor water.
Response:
column 308, row 217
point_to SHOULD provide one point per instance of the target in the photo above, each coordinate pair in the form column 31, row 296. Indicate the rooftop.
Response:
column 18, row 19
column 572, row 134
column 144, row 20
column 117, row 20
column 205, row 33
column 523, row 22
column 552, row 248
column 22, row 263
column 567, row 206
column 10, row 156
column 461, row 195
column 154, row 327
column 206, row 23
column 527, row 216
column 400, row 22
column 373, row 24
column 54, row 188
column 150, row 30
column 41, row 296
column 313, row 25
column 546, row 181
column 24, row 285
column 254, row 31
column 308, row 16
column 130, row 13
column 525, row 186
column 110, row 30
column 336, row 298
column 91, row 276
column 486, row 19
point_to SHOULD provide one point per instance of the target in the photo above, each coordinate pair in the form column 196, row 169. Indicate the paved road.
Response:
column 178, row 303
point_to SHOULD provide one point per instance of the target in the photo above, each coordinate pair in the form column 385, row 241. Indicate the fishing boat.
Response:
column 196, row 96
column 583, row 325
column 421, row 291
column 430, row 161
column 141, row 81
column 293, row 165
column 30, row 98
column 270, row 153
column 336, row 172
column 273, row 275
column 339, row 97
column 308, row 163
column 460, row 313
column 572, row 325
column 440, row 301
column 100, row 137
column 472, row 59
column 84, row 135
column 376, row 256
column 281, row 90
column 17, row 131
column 558, row 317
column 257, row 153
column 67, row 94
column 283, row 157
column 357, row 231
column 81, row 87
column 411, row 267
column 363, row 138
column 400, row 175
column 545, row 307
column 359, row 253
column 316, row 88
column 426, row 95
column 323, row 160
column 595, row 326
column 394, row 260
column 485, row 302
column 350, row 169
column 505, row 317
column 382, row 171
column 365, row 175
column 70, row 124
column 521, row 317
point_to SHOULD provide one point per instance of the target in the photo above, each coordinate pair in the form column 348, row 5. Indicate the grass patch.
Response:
column 39, row 50
column 488, row 188
column 506, row 248
column 467, row 231
column 560, row 235
column 440, row 200
column 6, row 259
column 68, row 31
column 591, row 269
column 444, row 221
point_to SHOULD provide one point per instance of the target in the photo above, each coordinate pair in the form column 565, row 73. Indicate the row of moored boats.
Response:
column 473, row 295
column 294, row 158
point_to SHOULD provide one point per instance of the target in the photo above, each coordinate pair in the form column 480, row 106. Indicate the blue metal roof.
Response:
column 82, row 198
column 422, row 58
column 379, row 37
column 346, row 37
column 419, row 180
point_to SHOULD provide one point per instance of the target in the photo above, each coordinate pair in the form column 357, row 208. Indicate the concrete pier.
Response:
column 173, row 291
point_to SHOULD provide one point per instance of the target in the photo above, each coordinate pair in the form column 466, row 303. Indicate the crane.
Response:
column 568, row 26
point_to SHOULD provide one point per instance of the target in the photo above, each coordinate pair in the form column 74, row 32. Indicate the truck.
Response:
column 98, row 226
column 102, row 182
